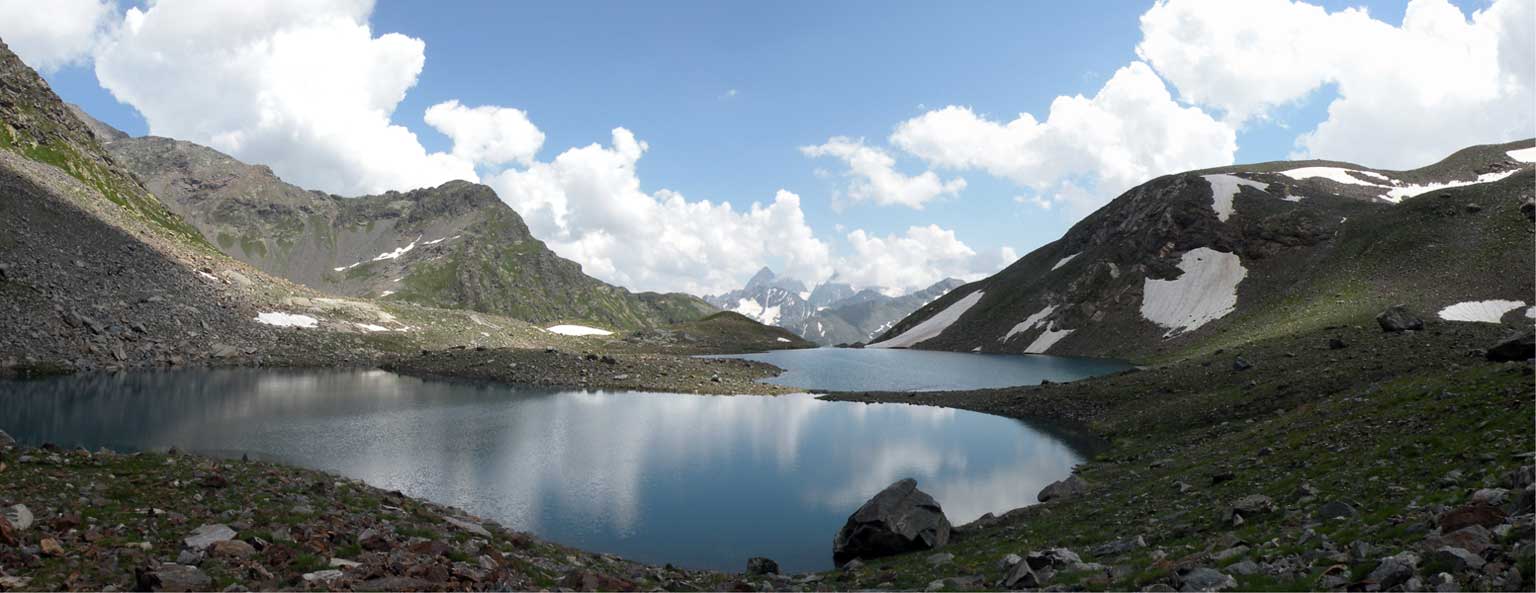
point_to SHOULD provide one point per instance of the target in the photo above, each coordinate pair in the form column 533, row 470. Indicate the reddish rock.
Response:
column 1473, row 514
column 233, row 548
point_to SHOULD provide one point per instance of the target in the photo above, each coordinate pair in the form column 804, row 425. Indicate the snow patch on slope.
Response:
column 577, row 330
column 1335, row 174
column 1224, row 188
column 287, row 320
column 1029, row 322
column 1047, row 339
column 1397, row 194
column 1393, row 191
column 1206, row 291
column 1524, row 155
column 1066, row 259
column 933, row 326
column 1480, row 311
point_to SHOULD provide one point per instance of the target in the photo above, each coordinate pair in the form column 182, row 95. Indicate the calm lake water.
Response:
column 879, row 369
column 698, row 481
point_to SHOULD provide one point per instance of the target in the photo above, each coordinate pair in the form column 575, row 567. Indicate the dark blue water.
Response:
column 878, row 369
column 698, row 481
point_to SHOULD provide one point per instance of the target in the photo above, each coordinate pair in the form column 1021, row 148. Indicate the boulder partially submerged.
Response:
column 899, row 519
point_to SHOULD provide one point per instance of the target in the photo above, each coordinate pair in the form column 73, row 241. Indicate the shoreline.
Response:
column 1158, row 424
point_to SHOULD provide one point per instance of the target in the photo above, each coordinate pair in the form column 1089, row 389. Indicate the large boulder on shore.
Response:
column 1397, row 318
column 1063, row 489
column 899, row 519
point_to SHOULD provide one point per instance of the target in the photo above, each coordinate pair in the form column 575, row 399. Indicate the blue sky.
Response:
column 726, row 93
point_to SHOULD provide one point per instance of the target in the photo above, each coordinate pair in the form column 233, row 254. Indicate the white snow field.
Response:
column 1206, row 291
column 1480, row 311
column 1047, row 339
column 1524, row 155
column 1029, row 322
column 1394, row 191
column 577, row 330
column 1066, row 259
column 287, row 320
column 933, row 326
column 1224, row 188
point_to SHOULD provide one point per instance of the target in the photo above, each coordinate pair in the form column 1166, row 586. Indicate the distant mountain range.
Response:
column 831, row 313
column 454, row 246
column 1210, row 259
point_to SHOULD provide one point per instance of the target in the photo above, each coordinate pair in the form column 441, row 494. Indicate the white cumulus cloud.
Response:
column 302, row 86
column 1088, row 149
column 875, row 178
column 915, row 259
column 1406, row 95
column 49, row 35
column 588, row 205
column 488, row 135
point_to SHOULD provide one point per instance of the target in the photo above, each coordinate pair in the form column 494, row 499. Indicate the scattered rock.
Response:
column 1518, row 347
column 758, row 566
column 20, row 517
column 1205, row 579
column 1118, row 547
column 899, row 519
column 1334, row 509
column 469, row 526
column 1394, row 570
column 323, row 576
column 1459, row 559
column 50, row 547
column 206, row 535
column 6, row 441
column 940, row 559
column 1020, row 576
column 1473, row 514
column 1064, row 489
column 1249, row 506
column 231, row 548
column 1336, row 344
column 174, row 577
column 1397, row 318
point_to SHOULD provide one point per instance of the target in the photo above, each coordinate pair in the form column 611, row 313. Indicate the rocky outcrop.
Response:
column 1518, row 347
column 899, row 519
column 1063, row 489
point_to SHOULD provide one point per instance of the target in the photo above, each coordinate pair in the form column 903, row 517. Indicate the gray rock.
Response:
column 1056, row 558
column 1245, row 568
column 1206, row 579
column 965, row 583
column 759, row 566
column 1118, row 547
column 190, row 557
column 206, row 535
column 1518, row 347
column 20, row 517
column 1442, row 583
column 1229, row 553
column 1021, row 576
column 1397, row 318
column 899, row 519
column 323, row 576
column 1064, row 489
column 1008, row 561
column 1490, row 496
column 1334, row 509
column 1249, row 506
column 174, row 577
column 6, row 441
column 1458, row 558
column 469, row 526
column 940, row 559
column 1394, row 570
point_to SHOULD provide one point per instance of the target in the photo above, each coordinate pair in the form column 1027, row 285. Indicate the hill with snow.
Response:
column 1214, row 258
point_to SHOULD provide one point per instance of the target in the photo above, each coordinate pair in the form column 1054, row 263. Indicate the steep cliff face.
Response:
column 1217, row 257
column 456, row 245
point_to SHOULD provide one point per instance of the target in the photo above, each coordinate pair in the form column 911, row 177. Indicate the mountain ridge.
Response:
column 456, row 245
column 1273, row 247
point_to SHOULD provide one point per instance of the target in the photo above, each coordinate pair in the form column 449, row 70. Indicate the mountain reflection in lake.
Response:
column 698, row 481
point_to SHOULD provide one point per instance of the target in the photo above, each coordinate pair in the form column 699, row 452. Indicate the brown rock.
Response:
column 586, row 580
column 51, row 547
column 233, row 548
column 1472, row 514
column 8, row 533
